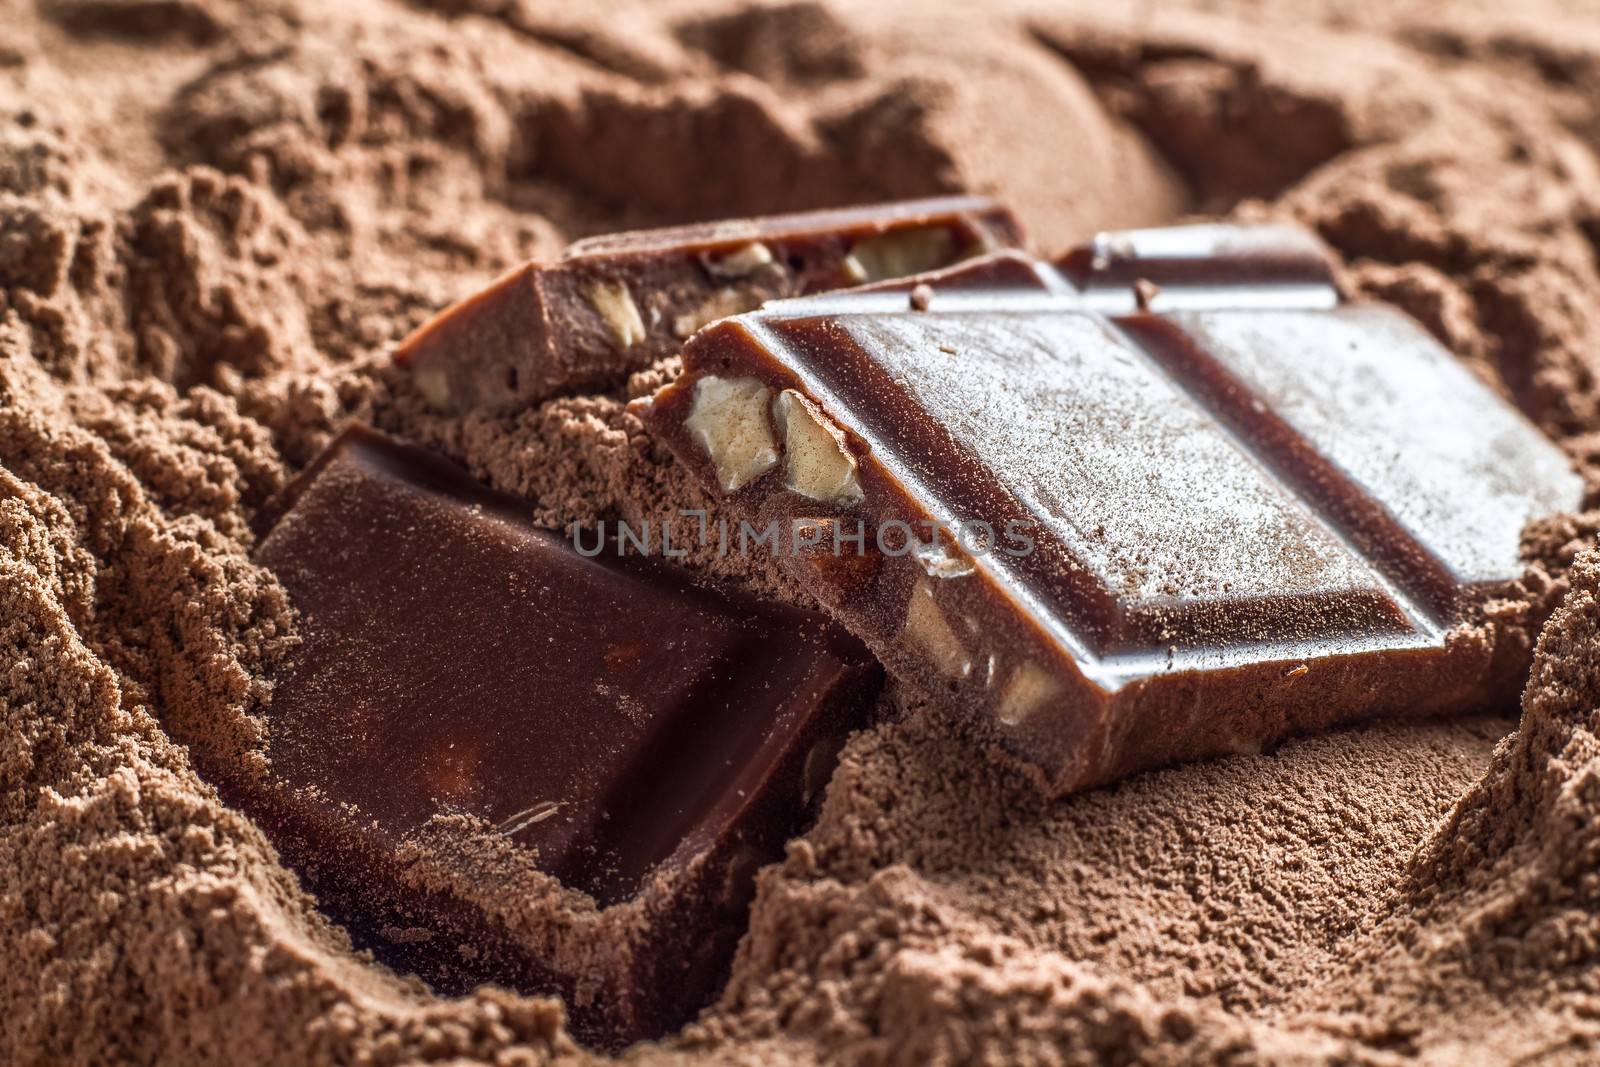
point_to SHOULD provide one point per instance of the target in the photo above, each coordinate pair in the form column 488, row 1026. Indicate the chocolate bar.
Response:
column 646, row 742
column 1120, row 536
column 615, row 304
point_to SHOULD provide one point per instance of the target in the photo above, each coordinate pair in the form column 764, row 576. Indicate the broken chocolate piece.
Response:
column 621, row 726
column 613, row 305
column 1129, row 539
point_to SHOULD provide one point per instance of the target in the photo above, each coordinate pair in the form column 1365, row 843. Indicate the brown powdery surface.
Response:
column 215, row 217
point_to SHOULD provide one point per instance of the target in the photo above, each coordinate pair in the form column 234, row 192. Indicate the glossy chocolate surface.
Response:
column 602, row 713
column 615, row 304
column 1262, row 513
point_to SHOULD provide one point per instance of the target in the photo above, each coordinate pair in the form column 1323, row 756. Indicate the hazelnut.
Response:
column 900, row 253
column 741, row 262
column 939, row 562
column 927, row 628
column 613, row 303
column 434, row 385
column 821, row 759
column 817, row 462
column 726, row 301
column 1029, row 689
column 729, row 419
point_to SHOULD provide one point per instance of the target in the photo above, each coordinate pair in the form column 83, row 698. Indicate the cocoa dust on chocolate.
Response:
column 217, row 218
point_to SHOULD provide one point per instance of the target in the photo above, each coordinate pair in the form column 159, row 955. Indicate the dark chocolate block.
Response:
column 1262, row 514
column 615, row 304
column 644, row 741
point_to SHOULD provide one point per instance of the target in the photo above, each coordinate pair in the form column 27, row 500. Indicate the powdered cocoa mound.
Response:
column 215, row 218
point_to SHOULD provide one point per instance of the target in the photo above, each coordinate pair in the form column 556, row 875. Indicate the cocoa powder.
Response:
column 215, row 218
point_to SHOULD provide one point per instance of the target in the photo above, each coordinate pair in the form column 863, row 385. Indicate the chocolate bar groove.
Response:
column 1418, row 581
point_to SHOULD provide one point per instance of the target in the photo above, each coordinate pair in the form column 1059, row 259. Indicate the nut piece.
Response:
column 927, row 628
column 741, row 262
column 1029, row 689
column 820, row 762
column 900, row 253
column 729, row 300
column 434, row 385
column 612, row 301
column 729, row 419
column 816, row 459
column 939, row 562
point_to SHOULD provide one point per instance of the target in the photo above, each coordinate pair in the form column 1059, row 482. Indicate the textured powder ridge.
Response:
column 215, row 219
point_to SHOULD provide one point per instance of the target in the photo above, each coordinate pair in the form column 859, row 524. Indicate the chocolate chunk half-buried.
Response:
column 1127, row 537
column 642, row 740
column 615, row 304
